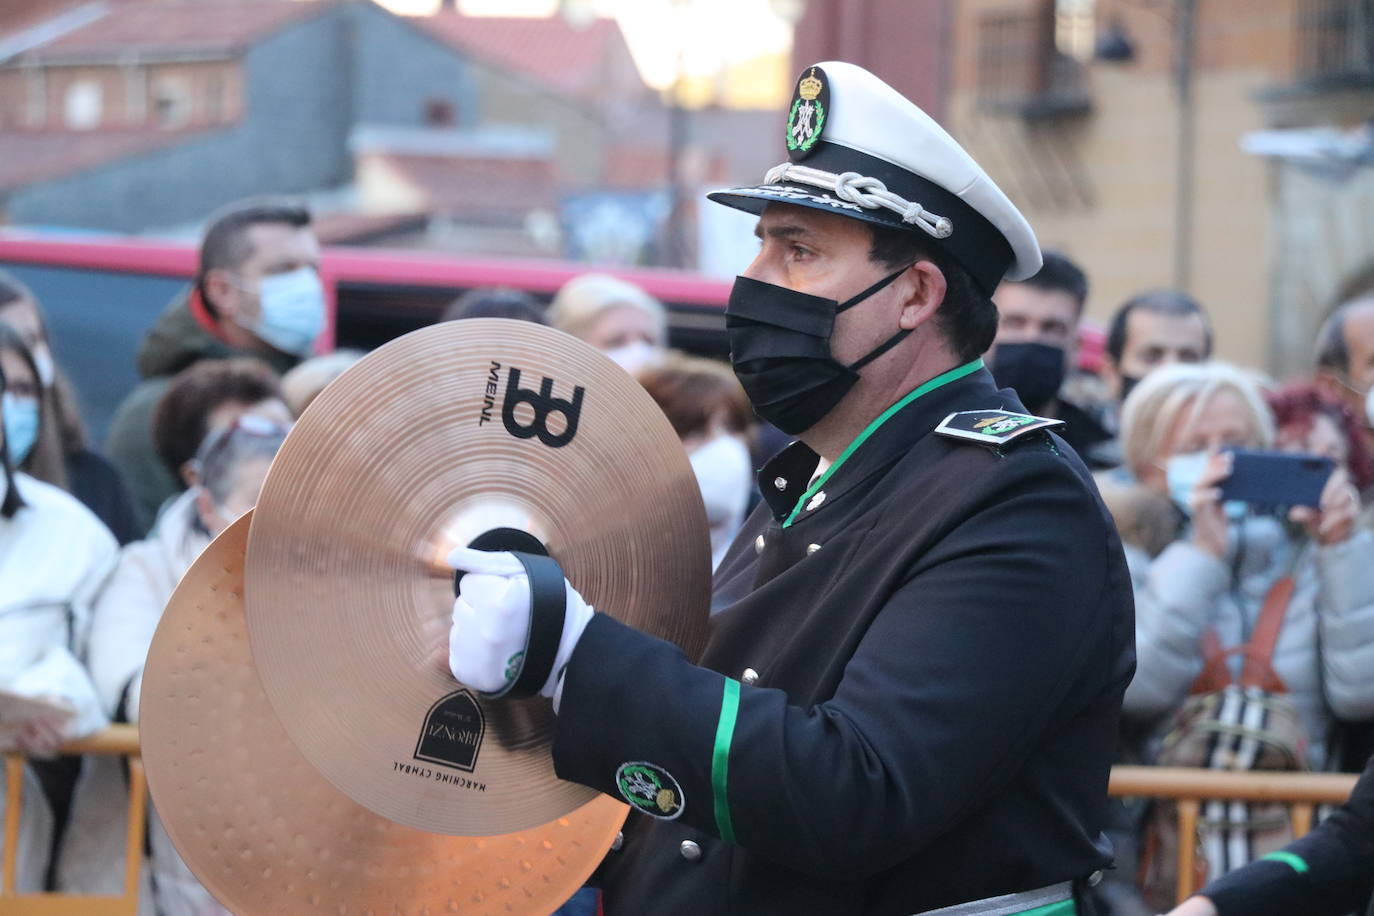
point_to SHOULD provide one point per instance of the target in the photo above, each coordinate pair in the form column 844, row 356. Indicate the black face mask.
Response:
column 1035, row 370
column 780, row 351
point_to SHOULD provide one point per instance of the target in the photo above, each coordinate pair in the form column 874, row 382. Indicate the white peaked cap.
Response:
column 858, row 148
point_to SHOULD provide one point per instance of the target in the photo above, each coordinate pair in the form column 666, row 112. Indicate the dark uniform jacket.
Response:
column 1326, row 873
column 910, row 693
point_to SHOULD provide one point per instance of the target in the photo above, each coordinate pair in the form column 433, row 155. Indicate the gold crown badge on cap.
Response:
column 810, row 109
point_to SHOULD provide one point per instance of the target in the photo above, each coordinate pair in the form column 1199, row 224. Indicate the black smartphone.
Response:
column 1276, row 478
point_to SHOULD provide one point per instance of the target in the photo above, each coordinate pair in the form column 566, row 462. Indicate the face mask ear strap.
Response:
column 881, row 284
column 880, row 350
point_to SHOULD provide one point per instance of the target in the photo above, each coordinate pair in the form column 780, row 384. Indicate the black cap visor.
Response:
column 975, row 243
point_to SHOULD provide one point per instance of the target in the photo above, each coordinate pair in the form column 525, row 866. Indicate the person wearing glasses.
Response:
column 230, row 467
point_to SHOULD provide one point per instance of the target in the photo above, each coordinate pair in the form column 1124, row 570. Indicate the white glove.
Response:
column 491, row 622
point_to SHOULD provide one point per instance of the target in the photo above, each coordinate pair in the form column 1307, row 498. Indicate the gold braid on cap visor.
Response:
column 864, row 191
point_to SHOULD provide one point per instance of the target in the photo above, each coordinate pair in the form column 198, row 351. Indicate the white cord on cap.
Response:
column 864, row 191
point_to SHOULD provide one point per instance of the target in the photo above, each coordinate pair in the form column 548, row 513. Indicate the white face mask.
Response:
column 1369, row 407
column 724, row 472
column 635, row 356
column 292, row 311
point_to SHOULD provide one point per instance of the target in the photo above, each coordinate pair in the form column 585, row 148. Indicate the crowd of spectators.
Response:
column 1161, row 422
column 230, row 364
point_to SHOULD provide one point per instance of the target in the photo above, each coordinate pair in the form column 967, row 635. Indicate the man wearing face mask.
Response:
column 1345, row 359
column 922, row 636
column 1152, row 329
column 257, row 293
column 1037, row 344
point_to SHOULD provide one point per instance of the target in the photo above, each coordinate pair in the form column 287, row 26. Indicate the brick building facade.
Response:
column 1088, row 144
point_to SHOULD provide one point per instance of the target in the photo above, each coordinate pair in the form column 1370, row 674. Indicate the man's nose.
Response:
column 756, row 268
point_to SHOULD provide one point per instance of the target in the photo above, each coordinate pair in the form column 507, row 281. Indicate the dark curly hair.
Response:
column 1298, row 404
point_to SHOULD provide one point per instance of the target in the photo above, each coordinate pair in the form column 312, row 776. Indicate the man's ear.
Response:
column 924, row 286
column 221, row 293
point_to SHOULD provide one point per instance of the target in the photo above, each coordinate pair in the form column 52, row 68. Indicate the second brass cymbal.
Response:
column 426, row 443
column 267, row 835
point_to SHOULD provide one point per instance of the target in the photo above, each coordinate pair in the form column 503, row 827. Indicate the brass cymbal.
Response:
column 426, row 443
column 266, row 834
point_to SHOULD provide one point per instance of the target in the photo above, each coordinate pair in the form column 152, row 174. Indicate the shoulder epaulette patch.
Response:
column 993, row 427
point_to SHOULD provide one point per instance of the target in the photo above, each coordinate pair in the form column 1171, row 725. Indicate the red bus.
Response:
column 102, row 294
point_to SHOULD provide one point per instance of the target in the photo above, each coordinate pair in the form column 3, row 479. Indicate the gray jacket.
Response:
column 1325, row 650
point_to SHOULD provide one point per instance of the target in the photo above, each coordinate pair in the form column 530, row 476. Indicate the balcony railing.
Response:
column 1302, row 792
column 1021, row 72
column 1335, row 43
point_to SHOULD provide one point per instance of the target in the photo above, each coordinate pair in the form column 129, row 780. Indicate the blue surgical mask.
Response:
column 293, row 311
column 1184, row 471
column 21, row 427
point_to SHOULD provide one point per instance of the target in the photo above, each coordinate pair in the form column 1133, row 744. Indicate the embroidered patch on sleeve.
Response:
column 650, row 789
column 993, row 427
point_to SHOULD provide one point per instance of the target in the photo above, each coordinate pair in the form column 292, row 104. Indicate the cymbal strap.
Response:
column 548, row 608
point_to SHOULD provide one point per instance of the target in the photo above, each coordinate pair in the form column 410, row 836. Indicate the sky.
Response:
column 709, row 34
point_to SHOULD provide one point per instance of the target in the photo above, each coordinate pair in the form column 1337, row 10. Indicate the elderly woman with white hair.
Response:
column 1216, row 573
column 615, row 316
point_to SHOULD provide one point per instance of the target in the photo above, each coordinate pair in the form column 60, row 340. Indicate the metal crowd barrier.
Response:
column 120, row 740
column 1302, row 792
column 1189, row 787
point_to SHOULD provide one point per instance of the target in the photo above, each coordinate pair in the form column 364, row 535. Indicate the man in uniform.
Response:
column 910, row 693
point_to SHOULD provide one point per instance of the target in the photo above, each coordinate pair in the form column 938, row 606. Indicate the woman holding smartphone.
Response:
column 1275, row 683
column 1177, row 426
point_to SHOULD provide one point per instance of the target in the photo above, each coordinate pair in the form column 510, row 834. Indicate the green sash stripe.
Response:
column 939, row 380
column 1062, row 908
column 1292, row 860
column 720, row 758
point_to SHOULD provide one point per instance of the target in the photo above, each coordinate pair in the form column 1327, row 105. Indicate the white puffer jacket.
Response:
column 1325, row 649
column 54, row 556
column 126, row 616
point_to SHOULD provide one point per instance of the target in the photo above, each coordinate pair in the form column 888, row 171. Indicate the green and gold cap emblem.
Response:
column 806, row 118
